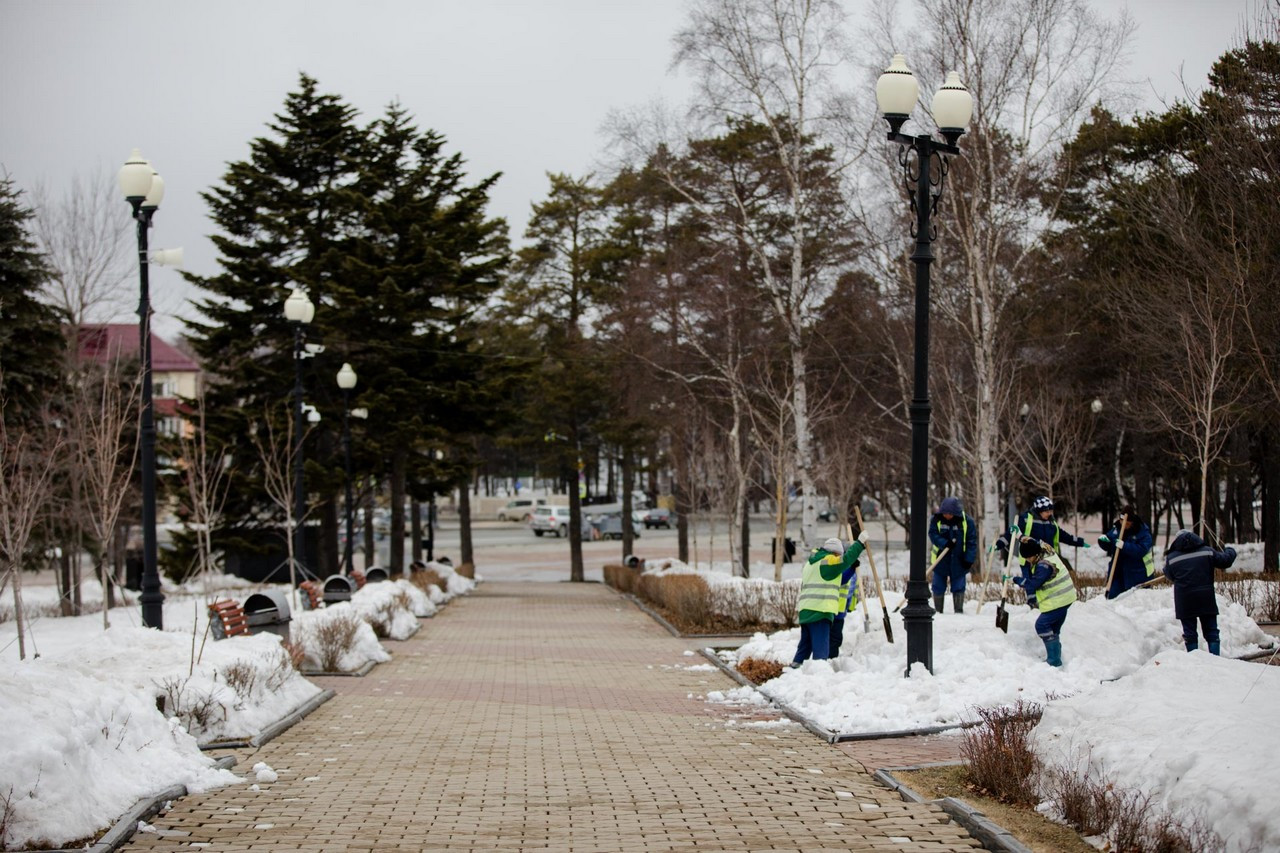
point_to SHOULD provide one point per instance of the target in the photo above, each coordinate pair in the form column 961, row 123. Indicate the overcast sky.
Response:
column 517, row 87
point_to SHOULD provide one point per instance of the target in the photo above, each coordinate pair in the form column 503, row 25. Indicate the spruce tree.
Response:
column 31, row 340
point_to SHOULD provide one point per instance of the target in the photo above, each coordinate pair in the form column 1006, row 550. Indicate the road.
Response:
column 510, row 551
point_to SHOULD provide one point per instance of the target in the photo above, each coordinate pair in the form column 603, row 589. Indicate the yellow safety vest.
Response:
column 1058, row 591
column 822, row 596
column 1026, row 531
column 964, row 537
column 850, row 601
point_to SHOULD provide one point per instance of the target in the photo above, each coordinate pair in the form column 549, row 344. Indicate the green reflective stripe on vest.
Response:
column 1149, row 560
column 1058, row 591
column 964, row 537
column 822, row 596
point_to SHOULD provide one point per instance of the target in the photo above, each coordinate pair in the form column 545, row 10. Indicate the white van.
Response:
column 520, row 509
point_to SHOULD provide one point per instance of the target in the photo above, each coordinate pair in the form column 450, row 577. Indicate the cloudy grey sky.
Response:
column 516, row 87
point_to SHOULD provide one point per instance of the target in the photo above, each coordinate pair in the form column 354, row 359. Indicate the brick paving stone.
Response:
column 541, row 716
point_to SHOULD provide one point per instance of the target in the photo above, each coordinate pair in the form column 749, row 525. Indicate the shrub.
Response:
column 196, row 709
column 686, row 596
column 334, row 638
column 424, row 578
column 784, row 598
column 241, row 677
column 294, row 653
column 1000, row 761
column 759, row 671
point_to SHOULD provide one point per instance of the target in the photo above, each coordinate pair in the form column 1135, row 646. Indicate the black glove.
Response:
column 966, row 565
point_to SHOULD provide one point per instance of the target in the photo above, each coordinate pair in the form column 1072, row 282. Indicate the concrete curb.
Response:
column 993, row 836
column 273, row 730
column 792, row 713
column 124, row 828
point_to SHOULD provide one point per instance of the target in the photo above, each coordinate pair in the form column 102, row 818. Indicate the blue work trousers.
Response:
column 815, row 641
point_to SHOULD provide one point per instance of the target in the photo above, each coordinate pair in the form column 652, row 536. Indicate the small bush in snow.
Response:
column 335, row 637
column 759, row 671
column 998, row 752
column 196, row 709
column 241, row 677
column 687, row 596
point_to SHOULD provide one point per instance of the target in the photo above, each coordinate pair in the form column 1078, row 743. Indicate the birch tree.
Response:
column 772, row 63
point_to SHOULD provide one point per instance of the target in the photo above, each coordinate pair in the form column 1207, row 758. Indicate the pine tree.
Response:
column 31, row 340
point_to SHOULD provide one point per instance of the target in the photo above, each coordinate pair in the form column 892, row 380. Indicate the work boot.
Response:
column 1191, row 645
column 1053, row 652
column 1215, row 647
column 957, row 598
column 937, row 602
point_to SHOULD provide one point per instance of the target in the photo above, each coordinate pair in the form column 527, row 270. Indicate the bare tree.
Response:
column 28, row 460
column 276, row 453
column 207, row 477
column 85, row 235
column 102, row 418
column 770, row 63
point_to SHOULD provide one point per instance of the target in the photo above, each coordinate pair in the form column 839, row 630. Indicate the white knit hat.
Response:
column 834, row 545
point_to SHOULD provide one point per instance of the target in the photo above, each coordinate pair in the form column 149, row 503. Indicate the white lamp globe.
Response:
column 134, row 176
column 952, row 106
column 346, row 377
column 298, row 308
column 897, row 89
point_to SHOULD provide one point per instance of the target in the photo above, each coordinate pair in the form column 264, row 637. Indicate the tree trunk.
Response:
column 399, row 462
column 464, row 523
column 415, row 527
column 628, row 485
column 64, row 580
column 329, row 560
column 1271, row 500
column 370, row 546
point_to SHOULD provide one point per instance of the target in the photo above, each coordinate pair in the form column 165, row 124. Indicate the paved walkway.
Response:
column 547, row 716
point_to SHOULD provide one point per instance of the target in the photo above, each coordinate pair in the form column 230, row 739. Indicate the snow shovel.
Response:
column 875, row 576
column 1002, row 615
column 932, row 566
column 1115, row 556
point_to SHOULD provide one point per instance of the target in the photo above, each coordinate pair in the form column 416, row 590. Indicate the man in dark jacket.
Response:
column 1136, row 564
column 951, row 528
column 1189, row 563
column 1038, row 523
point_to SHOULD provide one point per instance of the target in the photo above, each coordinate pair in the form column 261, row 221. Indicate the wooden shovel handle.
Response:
column 871, row 558
column 1115, row 557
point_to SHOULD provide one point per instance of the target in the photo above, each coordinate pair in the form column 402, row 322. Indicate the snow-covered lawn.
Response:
column 81, row 736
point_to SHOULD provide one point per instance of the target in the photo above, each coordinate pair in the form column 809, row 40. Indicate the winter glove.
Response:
column 1103, row 540
column 1085, row 545
column 864, row 538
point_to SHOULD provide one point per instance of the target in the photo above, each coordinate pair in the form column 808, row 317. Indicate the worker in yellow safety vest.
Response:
column 820, row 598
column 1050, row 582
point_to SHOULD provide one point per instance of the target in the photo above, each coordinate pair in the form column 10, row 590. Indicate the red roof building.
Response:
column 173, row 373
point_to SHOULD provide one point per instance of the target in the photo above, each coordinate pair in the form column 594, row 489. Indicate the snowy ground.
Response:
column 81, row 737
column 1193, row 731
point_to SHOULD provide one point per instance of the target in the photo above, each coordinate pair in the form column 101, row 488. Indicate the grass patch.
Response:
column 1027, row 825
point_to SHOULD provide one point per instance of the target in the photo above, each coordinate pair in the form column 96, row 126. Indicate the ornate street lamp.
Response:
column 298, row 310
column 144, row 190
column 924, row 166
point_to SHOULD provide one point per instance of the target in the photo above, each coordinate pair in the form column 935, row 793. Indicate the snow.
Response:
column 81, row 737
column 1194, row 731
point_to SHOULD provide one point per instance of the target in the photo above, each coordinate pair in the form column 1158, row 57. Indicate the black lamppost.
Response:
column 298, row 310
column 346, row 381
column 144, row 190
column 924, row 166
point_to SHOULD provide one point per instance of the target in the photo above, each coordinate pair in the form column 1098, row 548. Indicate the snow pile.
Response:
column 337, row 635
column 1195, row 732
column 388, row 607
column 454, row 583
column 975, row 664
column 421, row 602
column 81, row 740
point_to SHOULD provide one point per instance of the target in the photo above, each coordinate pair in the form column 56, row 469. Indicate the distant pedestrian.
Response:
column 1048, row 579
column 820, row 595
column 1189, row 563
column 849, row 603
column 1136, row 564
column 955, row 530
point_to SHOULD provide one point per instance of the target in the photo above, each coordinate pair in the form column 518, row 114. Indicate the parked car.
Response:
column 658, row 517
column 520, row 509
column 609, row 525
column 550, row 519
